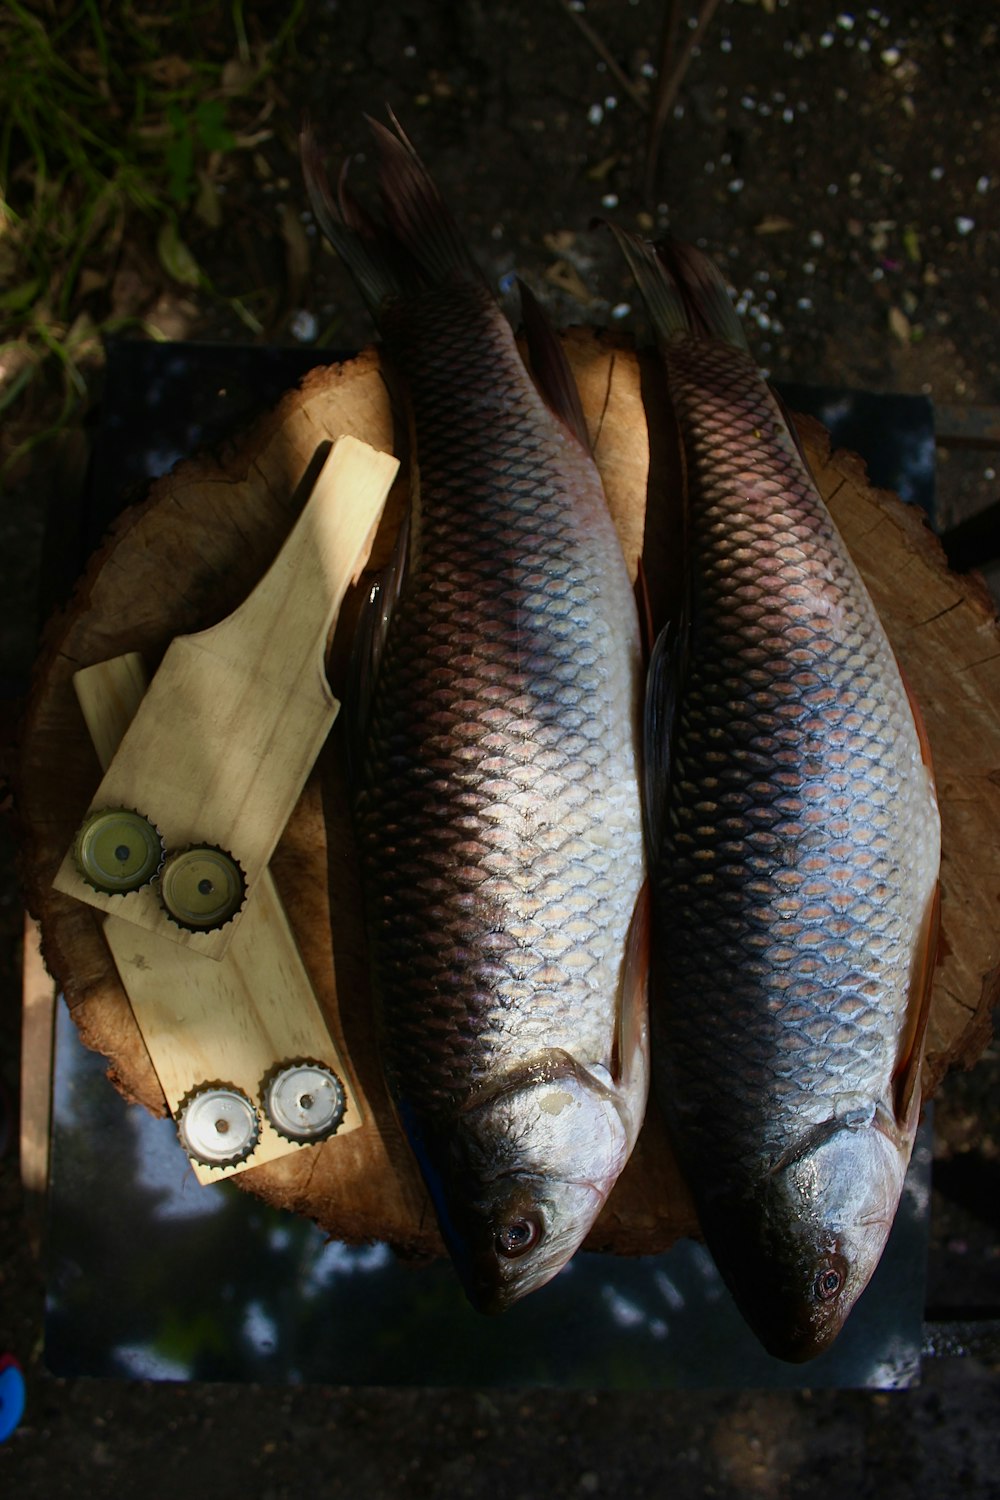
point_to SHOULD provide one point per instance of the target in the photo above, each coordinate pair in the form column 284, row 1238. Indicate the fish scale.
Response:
column 500, row 802
column 798, row 844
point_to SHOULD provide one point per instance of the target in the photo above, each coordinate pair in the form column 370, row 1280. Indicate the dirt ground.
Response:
column 843, row 166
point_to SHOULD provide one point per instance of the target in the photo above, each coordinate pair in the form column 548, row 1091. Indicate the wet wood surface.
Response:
column 185, row 558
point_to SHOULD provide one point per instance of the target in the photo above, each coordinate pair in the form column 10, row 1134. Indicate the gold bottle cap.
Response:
column 117, row 850
column 202, row 887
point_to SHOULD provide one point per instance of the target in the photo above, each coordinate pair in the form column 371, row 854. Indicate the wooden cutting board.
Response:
column 184, row 559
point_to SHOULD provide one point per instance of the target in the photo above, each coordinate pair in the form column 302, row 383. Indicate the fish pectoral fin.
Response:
column 630, row 1058
column 664, row 681
column 550, row 368
column 906, row 1076
column 369, row 642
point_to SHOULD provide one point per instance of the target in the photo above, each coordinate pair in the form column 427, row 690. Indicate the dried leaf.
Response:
column 17, row 298
column 170, row 71
column 560, row 241
column 911, row 245
column 568, row 279
column 237, row 76
column 296, row 247
column 899, row 325
column 175, row 257
column 208, row 204
column 600, row 171
column 91, row 280
column 773, row 224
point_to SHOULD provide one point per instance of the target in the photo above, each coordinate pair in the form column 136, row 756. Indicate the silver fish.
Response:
column 498, row 807
column 794, row 847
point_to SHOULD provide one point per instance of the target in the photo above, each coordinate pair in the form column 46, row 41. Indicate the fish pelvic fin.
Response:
column 550, row 368
column 630, row 1058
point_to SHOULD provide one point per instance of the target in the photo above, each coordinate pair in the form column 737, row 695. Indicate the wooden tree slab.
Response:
column 181, row 561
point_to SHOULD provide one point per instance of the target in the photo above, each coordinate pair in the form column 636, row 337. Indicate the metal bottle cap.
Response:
column 117, row 850
column 218, row 1126
column 305, row 1101
column 202, row 887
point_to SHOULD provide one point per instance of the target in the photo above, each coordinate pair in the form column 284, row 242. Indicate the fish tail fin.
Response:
column 415, row 212
column 682, row 288
column 703, row 290
column 353, row 234
column 663, row 299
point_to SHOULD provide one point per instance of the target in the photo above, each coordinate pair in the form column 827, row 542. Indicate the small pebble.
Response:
column 964, row 225
column 983, row 184
column 826, row 40
column 937, row 173
column 304, row 326
column 595, row 114
column 610, row 200
column 621, row 309
column 890, row 56
column 736, row 186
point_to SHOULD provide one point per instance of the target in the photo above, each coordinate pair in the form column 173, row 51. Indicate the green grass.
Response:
column 111, row 115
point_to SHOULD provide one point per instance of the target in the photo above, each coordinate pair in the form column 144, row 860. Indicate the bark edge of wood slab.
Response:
column 183, row 559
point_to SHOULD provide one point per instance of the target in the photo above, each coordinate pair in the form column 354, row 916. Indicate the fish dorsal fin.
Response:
column 630, row 1058
column 550, row 367
column 664, row 684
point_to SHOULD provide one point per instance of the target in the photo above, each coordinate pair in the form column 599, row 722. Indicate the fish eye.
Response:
column 828, row 1283
column 517, row 1237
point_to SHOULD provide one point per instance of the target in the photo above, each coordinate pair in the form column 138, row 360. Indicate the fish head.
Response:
column 800, row 1251
column 522, row 1176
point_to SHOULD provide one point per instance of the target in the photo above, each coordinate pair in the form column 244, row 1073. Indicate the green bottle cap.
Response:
column 117, row 850
column 202, row 887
